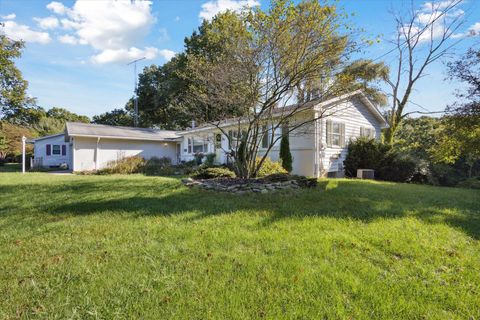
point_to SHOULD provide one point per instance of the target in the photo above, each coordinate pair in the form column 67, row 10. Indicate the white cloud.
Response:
column 213, row 7
column 23, row 32
column 126, row 55
column 433, row 17
column 177, row 18
column 164, row 36
column 57, row 7
column 10, row 16
column 47, row 23
column 112, row 28
column 68, row 39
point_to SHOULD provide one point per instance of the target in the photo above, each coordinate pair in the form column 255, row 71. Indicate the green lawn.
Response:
column 145, row 247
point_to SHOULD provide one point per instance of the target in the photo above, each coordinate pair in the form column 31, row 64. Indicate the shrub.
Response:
column 211, row 173
column 210, row 159
column 125, row 165
column 269, row 167
column 394, row 167
column 470, row 183
column 364, row 153
column 198, row 157
column 159, row 167
column 186, row 167
column 285, row 154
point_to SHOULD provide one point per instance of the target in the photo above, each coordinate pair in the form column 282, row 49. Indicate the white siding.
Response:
column 354, row 115
column 40, row 151
column 114, row 149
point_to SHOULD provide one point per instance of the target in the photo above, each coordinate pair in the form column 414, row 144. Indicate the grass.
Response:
column 123, row 247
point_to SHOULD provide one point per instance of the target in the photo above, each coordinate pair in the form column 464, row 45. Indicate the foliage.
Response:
column 126, row 165
column 210, row 159
column 159, row 167
column 12, row 140
column 212, row 173
column 395, row 167
column 285, row 154
column 365, row 153
column 407, row 251
column 116, row 117
column 470, row 183
column 13, row 88
column 269, row 167
column 199, row 157
column 416, row 136
column 460, row 137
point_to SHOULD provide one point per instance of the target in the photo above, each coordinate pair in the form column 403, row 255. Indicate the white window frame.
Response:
column 336, row 134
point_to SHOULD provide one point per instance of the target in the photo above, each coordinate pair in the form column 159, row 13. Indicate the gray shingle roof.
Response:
column 105, row 131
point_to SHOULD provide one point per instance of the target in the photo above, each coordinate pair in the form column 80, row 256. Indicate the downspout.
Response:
column 96, row 154
column 315, row 150
column 73, row 153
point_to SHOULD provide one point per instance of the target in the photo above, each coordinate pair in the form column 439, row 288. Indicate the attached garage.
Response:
column 85, row 147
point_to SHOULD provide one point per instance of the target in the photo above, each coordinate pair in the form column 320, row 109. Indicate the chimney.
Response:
column 193, row 124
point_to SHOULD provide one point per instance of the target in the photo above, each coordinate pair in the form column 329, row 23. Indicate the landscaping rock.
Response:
column 262, row 186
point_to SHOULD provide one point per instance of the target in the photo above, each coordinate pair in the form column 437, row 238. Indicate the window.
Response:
column 197, row 145
column 218, row 141
column 265, row 137
column 335, row 134
column 367, row 132
column 56, row 149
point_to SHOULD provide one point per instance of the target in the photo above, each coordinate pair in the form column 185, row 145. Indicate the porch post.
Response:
column 24, row 139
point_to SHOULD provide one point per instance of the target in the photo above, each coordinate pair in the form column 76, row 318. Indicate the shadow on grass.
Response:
column 340, row 199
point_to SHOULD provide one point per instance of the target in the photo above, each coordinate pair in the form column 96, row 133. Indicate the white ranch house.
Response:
column 317, row 148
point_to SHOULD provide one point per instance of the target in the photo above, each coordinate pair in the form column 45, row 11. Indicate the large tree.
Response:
column 12, row 85
column 421, row 38
column 461, row 134
column 285, row 49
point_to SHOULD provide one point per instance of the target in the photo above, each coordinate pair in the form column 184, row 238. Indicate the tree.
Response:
column 12, row 85
column 285, row 154
column 160, row 91
column 422, row 37
column 461, row 134
column 66, row 116
column 13, row 138
column 259, row 73
column 116, row 117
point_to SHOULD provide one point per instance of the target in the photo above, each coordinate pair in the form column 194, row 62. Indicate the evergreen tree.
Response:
column 285, row 154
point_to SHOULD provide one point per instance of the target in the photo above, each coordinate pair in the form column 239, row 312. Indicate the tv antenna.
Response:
column 135, row 97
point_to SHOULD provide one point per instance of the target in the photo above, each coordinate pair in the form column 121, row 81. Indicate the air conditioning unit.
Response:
column 365, row 174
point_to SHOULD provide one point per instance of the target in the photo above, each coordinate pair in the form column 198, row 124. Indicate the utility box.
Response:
column 365, row 174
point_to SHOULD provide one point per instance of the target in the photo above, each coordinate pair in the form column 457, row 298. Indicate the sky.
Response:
column 77, row 51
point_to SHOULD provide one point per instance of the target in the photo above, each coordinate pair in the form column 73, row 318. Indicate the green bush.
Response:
column 364, row 153
column 470, row 183
column 396, row 168
column 210, row 159
column 212, row 173
column 186, row 167
column 125, row 165
column 269, row 167
column 285, row 154
column 159, row 167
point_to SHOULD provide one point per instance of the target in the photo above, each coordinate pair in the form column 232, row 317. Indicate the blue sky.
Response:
column 76, row 51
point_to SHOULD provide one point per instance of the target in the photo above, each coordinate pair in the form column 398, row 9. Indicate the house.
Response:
column 318, row 148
